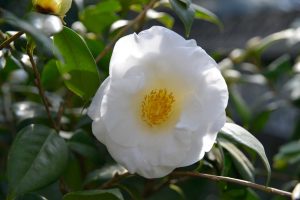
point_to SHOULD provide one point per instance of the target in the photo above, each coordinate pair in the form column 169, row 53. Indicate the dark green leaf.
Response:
column 242, row 136
column 51, row 191
column 37, row 157
column 78, row 68
column 204, row 14
column 185, row 12
column 289, row 154
column 44, row 42
column 259, row 120
column 240, row 105
column 82, row 144
column 243, row 165
column 73, row 175
column 278, row 67
column 112, row 194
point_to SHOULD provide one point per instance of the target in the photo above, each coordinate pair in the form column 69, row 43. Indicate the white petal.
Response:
column 135, row 162
column 99, row 130
column 94, row 109
column 135, row 49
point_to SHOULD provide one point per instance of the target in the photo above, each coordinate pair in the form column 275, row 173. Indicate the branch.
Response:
column 38, row 84
column 115, row 180
column 61, row 108
column 235, row 181
column 109, row 46
column 12, row 38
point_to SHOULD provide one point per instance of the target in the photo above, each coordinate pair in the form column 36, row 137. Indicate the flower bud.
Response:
column 56, row 7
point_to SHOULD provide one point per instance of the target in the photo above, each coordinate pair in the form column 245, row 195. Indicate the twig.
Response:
column 61, row 109
column 12, row 38
column 38, row 84
column 235, row 181
column 117, row 177
column 109, row 46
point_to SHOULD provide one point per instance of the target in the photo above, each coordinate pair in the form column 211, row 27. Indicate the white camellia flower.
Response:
column 162, row 105
column 56, row 7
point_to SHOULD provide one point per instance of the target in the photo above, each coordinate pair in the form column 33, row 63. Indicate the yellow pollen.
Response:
column 156, row 107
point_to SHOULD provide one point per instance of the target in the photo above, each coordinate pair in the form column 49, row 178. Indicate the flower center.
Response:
column 157, row 106
column 48, row 7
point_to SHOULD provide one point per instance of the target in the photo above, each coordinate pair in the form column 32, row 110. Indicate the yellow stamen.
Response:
column 156, row 107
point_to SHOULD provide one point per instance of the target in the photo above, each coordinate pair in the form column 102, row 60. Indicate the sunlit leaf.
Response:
column 78, row 68
column 204, row 14
column 37, row 157
column 164, row 18
column 99, row 17
column 242, row 136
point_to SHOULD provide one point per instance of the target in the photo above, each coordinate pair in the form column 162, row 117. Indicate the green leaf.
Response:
column 50, row 76
column 289, row 154
column 44, row 42
column 37, row 158
column 260, row 119
column 78, row 68
column 242, row 136
column 278, row 67
column 83, row 144
column 185, row 12
column 204, row 14
column 73, row 175
column 112, row 194
column 242, row 163
column 164, row 18
column 98, row 18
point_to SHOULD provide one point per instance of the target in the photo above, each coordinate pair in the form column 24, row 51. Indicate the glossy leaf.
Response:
column 164, row 18
column 185, row 12
column 112, row 194
column 44, row 43
column 78, row 68
column 37, row 157
column 204, row 14
column 240, row 135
